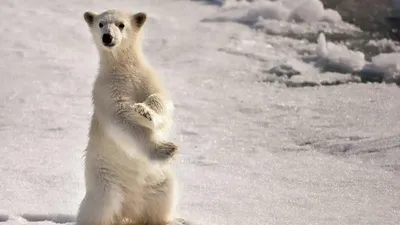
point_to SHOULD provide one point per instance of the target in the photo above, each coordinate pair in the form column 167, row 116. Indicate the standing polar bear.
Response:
column 127, row 175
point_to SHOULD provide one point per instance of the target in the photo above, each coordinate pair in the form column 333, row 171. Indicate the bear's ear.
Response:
column 139, row 18
column 89, row 17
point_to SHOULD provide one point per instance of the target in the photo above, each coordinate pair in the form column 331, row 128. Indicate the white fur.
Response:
column 122, row 139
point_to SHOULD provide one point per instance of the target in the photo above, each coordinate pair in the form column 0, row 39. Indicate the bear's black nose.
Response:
column 107, row 39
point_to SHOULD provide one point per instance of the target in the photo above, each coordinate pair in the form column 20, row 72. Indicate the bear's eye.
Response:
column 121, row 26
column 100, row 25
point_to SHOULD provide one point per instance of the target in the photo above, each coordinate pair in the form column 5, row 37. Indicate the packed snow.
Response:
column 253, row 149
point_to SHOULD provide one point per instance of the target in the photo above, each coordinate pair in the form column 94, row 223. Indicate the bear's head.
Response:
column 114, row 29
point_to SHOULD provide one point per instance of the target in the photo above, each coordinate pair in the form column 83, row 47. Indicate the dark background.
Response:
column 369, row 15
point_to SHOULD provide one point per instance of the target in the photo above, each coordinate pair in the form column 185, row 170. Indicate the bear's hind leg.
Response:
column 100, row 208
column 161, row 201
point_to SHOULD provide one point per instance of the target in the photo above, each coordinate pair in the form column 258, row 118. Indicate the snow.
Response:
column 253, row 150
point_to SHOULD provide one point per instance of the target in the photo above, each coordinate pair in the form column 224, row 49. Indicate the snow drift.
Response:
column 332, row 61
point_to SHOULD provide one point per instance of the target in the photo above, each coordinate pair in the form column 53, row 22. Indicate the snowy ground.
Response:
column 252, row 151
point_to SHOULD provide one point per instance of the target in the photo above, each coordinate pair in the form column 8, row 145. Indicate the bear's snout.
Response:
column 107, row 39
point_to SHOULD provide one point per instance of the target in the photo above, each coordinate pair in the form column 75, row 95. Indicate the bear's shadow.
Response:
column 55, row 218
column 3, row 218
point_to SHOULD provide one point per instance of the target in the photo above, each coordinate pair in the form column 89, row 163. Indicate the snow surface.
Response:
column 252, row 151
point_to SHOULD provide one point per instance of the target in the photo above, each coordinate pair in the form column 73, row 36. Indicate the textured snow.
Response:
column 302, row 24
column 283, row 10
column 251, row 151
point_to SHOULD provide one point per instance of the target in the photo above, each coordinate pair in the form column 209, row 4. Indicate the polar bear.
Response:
column 128, row 176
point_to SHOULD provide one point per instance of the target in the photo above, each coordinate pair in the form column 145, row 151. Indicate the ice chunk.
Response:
column 321, row 48
column 331, row 16
column 388, row 64
column 337, row 57
column 265, row 10
column 308, row 11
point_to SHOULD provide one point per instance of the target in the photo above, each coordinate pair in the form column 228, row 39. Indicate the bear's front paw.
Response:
column 163, row 151
column 179, row 221
column 142, row 110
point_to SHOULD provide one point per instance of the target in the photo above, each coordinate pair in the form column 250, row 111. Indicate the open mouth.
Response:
column 109, row 45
